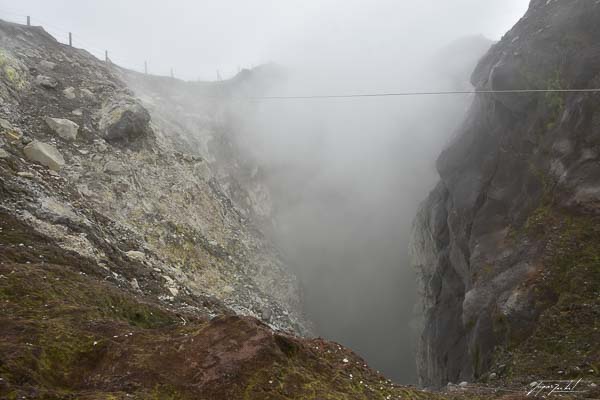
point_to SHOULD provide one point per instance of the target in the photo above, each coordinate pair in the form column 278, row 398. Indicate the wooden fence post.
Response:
column 28, row 20
column 106, row 56
column 70, row 39
column 146, row 67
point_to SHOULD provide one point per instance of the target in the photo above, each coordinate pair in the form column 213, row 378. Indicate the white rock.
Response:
column 70, row 93
column 46, row 81
column 463, row 384
column 47, row 64
column 4, row 124
column 113, row 168
column 77, row 112
column 64, row 128
column 135, row 284
column 87, row 93
column 174, row 291
column 27, row 175
column 136, row 255
column 45, row 154
column 533, row 384
column 4, row 154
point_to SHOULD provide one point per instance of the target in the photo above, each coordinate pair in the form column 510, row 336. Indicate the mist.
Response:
column 346, row 176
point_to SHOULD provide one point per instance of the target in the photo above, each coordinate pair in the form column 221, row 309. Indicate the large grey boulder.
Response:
column 64, row 128
column 114, row 168
column 5, row 125
column 88, row 94
column 47, row 82
column 124, row 120
column 45, row 154
column 49, row 65
column 69, row 93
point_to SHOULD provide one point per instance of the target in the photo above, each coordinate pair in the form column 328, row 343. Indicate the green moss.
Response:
column 136, row 314
column 69, row 335
column 11, row 72
column 477, row 362
column 566, row 289
column 554, row 101
column 164, row 392
column 304, row 377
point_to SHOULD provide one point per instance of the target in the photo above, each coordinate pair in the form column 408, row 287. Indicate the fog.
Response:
column 347, row 175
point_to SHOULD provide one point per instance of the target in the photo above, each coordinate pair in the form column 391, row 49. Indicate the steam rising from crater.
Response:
column 346, row 175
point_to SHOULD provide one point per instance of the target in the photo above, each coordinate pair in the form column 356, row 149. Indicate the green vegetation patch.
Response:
column 564, row 343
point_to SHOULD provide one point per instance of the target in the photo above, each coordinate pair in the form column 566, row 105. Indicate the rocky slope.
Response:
column 507, row 244
column 199, row 118
column 70, row 330
column 161, row 203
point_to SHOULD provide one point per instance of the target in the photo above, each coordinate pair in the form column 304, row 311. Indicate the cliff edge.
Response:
column 508, row 242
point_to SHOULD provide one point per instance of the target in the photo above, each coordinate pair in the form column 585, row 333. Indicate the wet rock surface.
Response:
column 493, row 240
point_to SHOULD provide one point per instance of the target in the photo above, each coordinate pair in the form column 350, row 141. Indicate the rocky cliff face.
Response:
column 196, row 118
column 507, row 244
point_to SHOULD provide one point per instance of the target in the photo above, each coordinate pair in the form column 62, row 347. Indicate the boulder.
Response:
column 114, row 168
column 45, row 64
column 45, row 154
column 88, row 94
column 64, row 128
column 26, row 174
column 4, row 124
column 47, row 82
column 70, row 93
column 4, row 154
column 123, row 120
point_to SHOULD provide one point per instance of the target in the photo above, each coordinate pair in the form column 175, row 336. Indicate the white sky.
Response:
column 197, row 38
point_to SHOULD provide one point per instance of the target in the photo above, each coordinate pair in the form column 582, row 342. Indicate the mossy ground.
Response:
column 565, row 343
column 67, row 333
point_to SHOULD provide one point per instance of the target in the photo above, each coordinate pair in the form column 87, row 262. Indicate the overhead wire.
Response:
column 429, row 93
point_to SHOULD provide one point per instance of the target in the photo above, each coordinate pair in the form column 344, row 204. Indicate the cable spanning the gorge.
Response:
column 438, row 93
